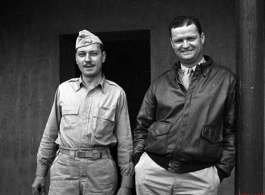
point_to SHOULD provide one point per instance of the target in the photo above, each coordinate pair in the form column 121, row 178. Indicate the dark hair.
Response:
column 181, row 21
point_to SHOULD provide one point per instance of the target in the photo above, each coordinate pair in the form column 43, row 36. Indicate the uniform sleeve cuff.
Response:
column 127, row 181
column 41, row 170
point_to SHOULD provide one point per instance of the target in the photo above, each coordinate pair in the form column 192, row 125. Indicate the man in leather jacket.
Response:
column 184, row 142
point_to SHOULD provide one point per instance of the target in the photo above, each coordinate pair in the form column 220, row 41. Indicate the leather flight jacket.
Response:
column 188, row 130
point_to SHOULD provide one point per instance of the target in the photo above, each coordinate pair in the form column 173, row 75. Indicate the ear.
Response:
column 76, row 56
column 103, row 56
column 171, row 42
column 202, row 38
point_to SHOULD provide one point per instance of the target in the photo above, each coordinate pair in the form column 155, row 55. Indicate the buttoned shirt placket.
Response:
column 85, row 120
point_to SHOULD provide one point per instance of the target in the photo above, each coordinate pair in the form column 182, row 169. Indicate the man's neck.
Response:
column 195, row 64
column 91, row 82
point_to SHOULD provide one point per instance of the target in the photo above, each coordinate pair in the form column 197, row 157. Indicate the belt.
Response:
column 85, row 153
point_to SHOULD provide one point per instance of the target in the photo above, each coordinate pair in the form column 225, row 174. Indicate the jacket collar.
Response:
column 204, row 68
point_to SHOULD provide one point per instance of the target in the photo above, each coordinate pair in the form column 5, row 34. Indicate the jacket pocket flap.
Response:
column 160, row 128
column 213, row 134
column 70, row 110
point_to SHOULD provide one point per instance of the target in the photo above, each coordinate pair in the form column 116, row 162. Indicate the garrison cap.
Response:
column 86, row 38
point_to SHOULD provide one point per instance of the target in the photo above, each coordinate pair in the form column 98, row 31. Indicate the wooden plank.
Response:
column 250, row 110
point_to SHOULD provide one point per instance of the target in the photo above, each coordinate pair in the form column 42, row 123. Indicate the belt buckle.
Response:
column 80, row 153
column 96, row 154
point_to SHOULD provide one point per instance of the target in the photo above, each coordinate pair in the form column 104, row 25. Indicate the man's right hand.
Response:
column 38, row 186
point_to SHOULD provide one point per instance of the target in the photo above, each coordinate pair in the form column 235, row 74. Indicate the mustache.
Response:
column 89, row 64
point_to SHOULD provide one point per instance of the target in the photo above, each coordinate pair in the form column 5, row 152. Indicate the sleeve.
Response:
column 146, row 117
column 227, row 160
column 48, row 147
column 124, row 142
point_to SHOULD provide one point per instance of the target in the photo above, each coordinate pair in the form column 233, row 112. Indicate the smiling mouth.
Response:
column 89, row 66
column 186, row 52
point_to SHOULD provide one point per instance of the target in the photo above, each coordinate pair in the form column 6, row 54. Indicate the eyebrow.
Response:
column 184, row 37
column 93, row 50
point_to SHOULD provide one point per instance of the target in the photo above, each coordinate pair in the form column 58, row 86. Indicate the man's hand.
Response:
column 38, row 186
column 124, row 191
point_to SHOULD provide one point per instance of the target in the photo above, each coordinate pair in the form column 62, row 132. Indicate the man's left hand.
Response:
column 124, row 191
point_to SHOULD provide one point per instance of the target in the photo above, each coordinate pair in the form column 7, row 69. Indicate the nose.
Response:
column 185, row 44
column 88, row 57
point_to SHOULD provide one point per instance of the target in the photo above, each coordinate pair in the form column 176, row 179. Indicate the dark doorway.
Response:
column 127, row 64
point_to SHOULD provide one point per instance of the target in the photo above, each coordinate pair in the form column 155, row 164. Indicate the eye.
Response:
column 81, row 54
column 191, row 38
column 178, row 41
column 94, row 54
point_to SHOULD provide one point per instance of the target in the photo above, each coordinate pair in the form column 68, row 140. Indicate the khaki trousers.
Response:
column 82, row 176
column 151, row 179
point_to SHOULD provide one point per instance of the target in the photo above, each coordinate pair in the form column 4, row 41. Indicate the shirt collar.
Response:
column 77, row 83
column 204, row 67
column 101, row 84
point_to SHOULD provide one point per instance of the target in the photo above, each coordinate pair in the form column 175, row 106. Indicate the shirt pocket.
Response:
column 156, row 141
column 69, row 117
column 104, row 121
column 210, row 148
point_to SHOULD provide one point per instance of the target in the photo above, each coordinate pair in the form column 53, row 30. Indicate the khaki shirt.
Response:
column 85, row 119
